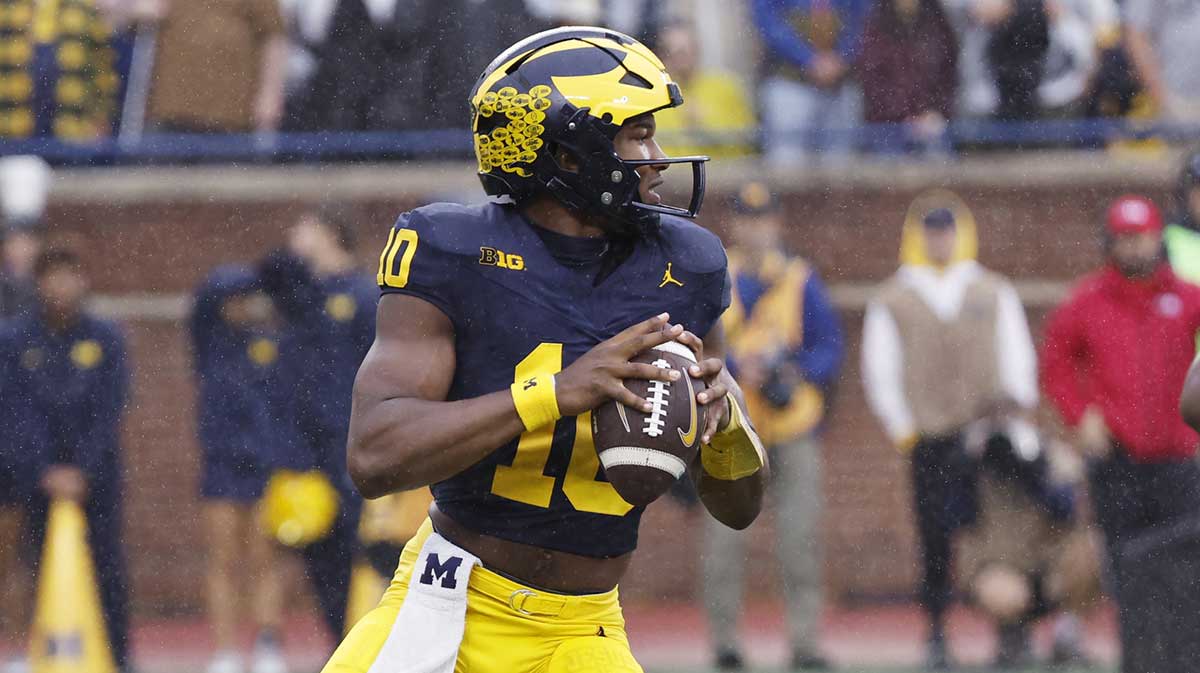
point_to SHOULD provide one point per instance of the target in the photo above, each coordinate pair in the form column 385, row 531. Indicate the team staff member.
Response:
column 67, row 394
column 329, row 307
column 1114, row 359
column 785, row 348
column 944, row 344
column 501, row 326
column 1182, row 235
column 243, row 428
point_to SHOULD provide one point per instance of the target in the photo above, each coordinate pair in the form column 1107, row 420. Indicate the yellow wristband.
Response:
column 736, row 451
column 535, row 401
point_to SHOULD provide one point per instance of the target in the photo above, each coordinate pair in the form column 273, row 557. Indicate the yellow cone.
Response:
column 69, row 635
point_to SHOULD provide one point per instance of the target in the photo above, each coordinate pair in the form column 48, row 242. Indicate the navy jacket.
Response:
column 245, row 406
column 330, row 328
column 64, row 395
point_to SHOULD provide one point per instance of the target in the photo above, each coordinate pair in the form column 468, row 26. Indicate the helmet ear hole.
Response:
column 564, row 158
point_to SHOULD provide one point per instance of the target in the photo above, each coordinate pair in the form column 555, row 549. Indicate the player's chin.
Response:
column 651, row 197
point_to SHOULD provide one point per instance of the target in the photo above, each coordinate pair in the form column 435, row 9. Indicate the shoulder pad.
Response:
column 692, row 246
column 457, row 229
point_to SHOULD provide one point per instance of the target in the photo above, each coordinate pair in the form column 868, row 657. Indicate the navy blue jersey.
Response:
column 517, row 311
column 66, row 392
column 245, row 401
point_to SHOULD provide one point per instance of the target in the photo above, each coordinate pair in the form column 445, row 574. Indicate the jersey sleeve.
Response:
column 414, row 263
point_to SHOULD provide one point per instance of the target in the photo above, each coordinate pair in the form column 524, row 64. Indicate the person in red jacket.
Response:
column 1113, row 362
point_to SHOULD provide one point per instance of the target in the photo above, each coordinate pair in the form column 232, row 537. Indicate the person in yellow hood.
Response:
column 945, row 343
column 785, row 349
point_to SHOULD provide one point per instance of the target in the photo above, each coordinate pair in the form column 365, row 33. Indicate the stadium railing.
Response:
column 456, row 143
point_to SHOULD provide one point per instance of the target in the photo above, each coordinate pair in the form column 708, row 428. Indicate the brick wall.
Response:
column 1029, row 229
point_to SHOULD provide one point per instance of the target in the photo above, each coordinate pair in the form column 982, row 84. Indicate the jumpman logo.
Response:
column 668, row 278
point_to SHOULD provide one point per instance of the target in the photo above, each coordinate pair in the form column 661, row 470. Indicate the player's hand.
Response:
column 65, row 482
column 827, row 69
column 598, row 376
column 1093, row 436
column 718, row 381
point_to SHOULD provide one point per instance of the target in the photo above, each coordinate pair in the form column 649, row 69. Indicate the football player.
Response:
column 500, row 328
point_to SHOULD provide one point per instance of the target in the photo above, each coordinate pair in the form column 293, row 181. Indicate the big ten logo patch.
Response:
column 509, row 127
column 442, row 572
column 494, row 257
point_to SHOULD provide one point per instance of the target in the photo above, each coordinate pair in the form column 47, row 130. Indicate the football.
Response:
column 644, row 453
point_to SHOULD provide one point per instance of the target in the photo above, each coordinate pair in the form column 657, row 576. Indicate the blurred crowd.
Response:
column 796, row 77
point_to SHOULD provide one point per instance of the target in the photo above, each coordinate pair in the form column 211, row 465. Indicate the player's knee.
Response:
column 593, row 654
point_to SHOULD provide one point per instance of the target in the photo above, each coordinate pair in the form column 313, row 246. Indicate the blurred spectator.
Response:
column 17, row 479
column 373, row 65
column 56, row 71
column 219, row 67
column 236, row 355
column 909, row 74
column 1017, row 50
column 24, row 183
column 64, row 393
column 20, row 246
column 132, row 23
column 1027, row 555
column 810, row 103
column 1182, row 236
column 1003, row 50
column 328, row 305
column 944, row 342
column 785, row 347
column 1163, row 44
column 718, row 119
column 1080, row 31
column 1114, row 359
column 362, row 66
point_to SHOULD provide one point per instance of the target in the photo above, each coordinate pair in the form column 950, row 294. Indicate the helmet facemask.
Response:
column 602, row 183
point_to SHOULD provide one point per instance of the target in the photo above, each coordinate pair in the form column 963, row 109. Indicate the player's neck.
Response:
column 548, row 213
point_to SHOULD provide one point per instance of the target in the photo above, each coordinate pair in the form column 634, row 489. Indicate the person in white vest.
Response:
column 945, row 341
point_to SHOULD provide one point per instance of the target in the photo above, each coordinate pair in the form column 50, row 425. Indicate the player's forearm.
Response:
column 406, row 443
column 735, row 503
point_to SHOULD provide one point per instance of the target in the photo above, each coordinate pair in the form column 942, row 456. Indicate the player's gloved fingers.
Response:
column 708, row 370
column 627, row 397
column 646, row 341
column 646, row 326
column 639, row 370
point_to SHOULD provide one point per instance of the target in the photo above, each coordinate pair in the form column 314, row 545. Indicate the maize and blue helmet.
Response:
column 571, row 89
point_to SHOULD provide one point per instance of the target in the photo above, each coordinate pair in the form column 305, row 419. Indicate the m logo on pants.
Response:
column 435, row 570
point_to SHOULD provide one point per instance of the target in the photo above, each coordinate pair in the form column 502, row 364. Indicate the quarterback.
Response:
column 500, row 328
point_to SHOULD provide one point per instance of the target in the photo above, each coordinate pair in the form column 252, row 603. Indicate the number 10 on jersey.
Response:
column 525, row 479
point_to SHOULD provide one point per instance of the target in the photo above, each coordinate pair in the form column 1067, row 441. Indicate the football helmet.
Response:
column 571, row 89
